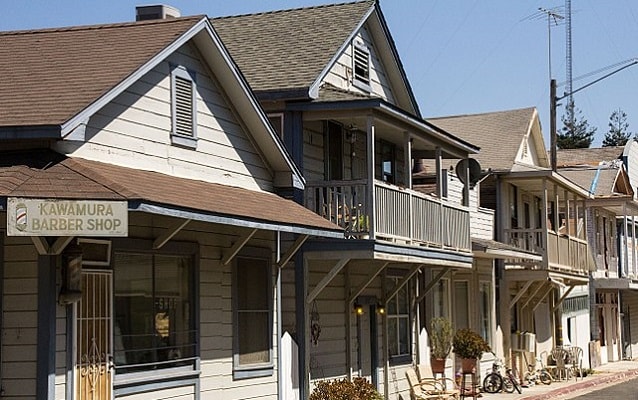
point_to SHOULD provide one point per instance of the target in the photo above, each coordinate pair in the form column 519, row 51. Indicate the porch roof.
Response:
column 486, row 248
column 615, row 283
column 45, row 174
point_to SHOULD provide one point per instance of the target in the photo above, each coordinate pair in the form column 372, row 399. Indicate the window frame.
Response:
column 257, row 369
column 401, row 358
column 142, row 246
column 279, row 129
column 390, row 150
column 181, row 72
column 486, row 314
column 361, row 82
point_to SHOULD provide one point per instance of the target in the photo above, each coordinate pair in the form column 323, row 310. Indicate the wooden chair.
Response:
column 425, row 390
column 448, row 385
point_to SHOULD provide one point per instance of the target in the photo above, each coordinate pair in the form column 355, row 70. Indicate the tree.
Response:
column 618, row 134
column 576, row 132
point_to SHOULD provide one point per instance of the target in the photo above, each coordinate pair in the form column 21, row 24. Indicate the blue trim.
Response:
column 45, row 372
column 30, row 132
column 594, row 183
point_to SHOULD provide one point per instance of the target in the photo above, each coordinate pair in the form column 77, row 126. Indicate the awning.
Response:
column 486, row 248
column 45, row 174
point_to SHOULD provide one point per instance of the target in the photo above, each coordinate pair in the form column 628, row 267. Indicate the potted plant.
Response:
column 469, row 346
column 440, row 343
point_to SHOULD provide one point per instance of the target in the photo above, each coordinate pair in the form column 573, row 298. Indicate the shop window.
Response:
column 398, row 318
column 253, row 317
column 154, row 311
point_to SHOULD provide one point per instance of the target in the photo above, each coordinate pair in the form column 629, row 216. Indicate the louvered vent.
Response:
column 361, row 65
column 183, row 106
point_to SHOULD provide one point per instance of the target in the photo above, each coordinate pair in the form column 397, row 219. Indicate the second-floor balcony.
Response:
column 392, row 213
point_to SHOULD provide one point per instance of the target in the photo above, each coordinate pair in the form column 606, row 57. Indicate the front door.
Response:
column 94, row 314
column 367, row 339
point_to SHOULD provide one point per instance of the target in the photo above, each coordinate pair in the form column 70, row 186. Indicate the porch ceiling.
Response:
column 485, row 248
column 558, row 278
column 536, row 181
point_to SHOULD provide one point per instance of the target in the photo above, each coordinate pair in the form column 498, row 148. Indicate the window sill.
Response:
column 184, row 141
column 361, row 85
column 253, row 372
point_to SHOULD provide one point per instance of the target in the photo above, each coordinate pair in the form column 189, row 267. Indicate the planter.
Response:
column 468, row 365
column 437, row 365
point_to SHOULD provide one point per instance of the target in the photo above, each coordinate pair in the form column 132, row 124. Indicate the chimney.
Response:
column 158, row 11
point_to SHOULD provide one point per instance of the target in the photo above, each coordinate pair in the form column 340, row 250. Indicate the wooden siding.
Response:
column 19, row 317
column 179, row 393
column 340, row 75
column 134, row 130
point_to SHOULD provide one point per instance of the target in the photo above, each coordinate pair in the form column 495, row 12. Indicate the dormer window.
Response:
column 361, row 66
column 183, row 107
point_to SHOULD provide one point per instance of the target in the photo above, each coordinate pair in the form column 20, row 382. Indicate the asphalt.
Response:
column 608, row 374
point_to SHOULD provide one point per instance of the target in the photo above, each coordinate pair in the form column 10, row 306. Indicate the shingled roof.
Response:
column 50, row 75
column 590, row 156
column 287, row 50
column 45, row 174
column 498, row 134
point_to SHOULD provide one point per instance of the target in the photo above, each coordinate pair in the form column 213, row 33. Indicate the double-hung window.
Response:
column 252, row 317
column 183, row 107
column 398, row 318
column 485, row 310
column 154, row 304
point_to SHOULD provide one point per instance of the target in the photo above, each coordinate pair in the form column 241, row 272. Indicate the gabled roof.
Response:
column 286, row 50
column 45, row 174
column 286, row 53
column 50, row 75
column 589, row 156
column 499, row 134
column 600, row 182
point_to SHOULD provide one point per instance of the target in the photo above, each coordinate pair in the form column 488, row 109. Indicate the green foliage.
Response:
column 618, row 134
column 440, row 337
column 343, row 389
column 469, row 344
column 576, row 132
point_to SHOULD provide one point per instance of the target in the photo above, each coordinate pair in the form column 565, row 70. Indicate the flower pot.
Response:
column 437, row 365
column 468, row 365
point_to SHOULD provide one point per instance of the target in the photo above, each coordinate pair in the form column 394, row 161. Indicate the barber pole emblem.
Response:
column 21, row 216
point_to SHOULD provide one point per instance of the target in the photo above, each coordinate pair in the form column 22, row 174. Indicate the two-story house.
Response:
column 142, row 236
column 537, row 210
column 331, row 81
column 611, row 215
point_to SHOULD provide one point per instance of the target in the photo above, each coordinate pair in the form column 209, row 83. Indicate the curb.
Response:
column 608, row 378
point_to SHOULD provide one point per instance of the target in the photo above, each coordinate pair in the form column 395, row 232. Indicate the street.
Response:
column 627, row 390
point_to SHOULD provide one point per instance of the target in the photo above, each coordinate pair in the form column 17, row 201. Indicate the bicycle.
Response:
column 494, row 381
column 534, row 375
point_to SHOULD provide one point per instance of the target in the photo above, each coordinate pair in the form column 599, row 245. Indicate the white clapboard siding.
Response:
column 19, row 318
column 133, row 130
column 482, row 223
column 340, row 75
column 178, row 393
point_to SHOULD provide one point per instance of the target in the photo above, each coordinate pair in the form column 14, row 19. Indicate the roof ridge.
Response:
column 482, row 113
column 78, row 28
column 327, row 5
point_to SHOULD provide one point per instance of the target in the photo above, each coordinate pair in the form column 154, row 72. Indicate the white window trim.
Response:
column 281, row 123
column 363, row 85
column 178, row 139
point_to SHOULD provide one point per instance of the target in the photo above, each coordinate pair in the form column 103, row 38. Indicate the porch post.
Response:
column 439, row 184
column 45, row 375
column 633, row 241
column 544, row 220
column 371, row 172
column 407, row 150
column 567, row 212
column 301, row 316
column 625, row 242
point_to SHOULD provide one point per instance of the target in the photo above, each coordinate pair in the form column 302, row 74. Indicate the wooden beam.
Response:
column 236, row 248
column 403, row 282
column 534, row 293
column 520, row 293
column 170, row 232
column 292, row 250
column 41, row 245
column 547, row 292
column 365, row 284
column 562, row 298
column 60, row 244
column 433, row 282
column 327, row 279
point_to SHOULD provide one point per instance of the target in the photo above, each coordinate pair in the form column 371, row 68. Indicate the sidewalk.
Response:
column 605, row 374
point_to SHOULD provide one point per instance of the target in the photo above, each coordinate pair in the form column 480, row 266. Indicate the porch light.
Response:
column 381, row 309
column 358, row 309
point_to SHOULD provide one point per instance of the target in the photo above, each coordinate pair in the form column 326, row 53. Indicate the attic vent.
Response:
column 361, row 66
column 159, row 11
column 184, row 107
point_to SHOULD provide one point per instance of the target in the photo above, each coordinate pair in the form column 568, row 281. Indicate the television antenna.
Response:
column 554, row 17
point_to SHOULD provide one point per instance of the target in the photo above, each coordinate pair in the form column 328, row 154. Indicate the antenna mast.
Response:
column 568, row 57
column 552, row 15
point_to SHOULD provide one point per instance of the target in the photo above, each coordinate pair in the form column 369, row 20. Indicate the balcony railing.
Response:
column 401, row 215
column 563, row 252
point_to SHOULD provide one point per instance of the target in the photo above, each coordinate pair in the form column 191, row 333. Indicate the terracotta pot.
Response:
column 468, row 365
column 437, row 365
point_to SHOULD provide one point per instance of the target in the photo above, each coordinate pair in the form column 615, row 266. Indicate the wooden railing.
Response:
column 400, row 215
column 563, row 252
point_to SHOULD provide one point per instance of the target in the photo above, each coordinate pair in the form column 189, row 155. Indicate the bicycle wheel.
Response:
column 545, row 377
column 516, row 385
column 493, row 383
column 508, row 385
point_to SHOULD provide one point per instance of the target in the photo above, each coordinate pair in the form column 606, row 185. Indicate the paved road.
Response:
column 627, row 390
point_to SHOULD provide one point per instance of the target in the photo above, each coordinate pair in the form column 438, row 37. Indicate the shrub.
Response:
column 440, row 337
column 343, row 389
column 469, row 344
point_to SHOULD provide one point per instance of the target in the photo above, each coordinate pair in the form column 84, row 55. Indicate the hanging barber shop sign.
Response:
column 54, row 217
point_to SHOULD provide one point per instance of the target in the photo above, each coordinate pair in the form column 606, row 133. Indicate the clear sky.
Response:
column 461, row 56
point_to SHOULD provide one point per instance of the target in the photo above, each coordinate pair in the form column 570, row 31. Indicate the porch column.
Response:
column 437, row 159
column 625, row 242
column 556, row 221
column 567, row 212
column 633, row 242
column 302, row 322
column 544, row 220
column 370, row 138
column 45, row 373
column 407, row 150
